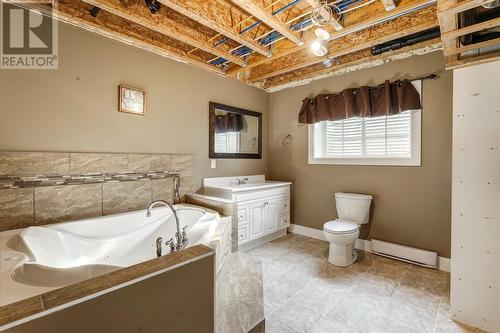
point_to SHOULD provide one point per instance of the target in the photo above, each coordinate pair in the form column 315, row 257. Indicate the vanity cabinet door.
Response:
column 257, row 219
column 271, row 222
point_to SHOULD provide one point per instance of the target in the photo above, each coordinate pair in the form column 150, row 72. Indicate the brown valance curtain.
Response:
column 386, row 99
column 229, row 122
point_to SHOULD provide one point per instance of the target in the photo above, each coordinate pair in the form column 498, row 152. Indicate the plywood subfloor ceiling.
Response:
column 266, row 43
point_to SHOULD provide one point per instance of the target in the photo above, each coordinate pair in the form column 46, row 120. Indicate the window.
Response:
column 387, row 140
column 228, row 142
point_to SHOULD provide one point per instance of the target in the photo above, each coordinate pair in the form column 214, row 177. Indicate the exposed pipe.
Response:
column 94, row 11
column 224, row 39
column 218, row 61
column 406, row 41
column 386, row 19
column 153, row 5
column 344, row 5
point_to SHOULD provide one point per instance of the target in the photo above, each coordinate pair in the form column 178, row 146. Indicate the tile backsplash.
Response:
column 46, row 187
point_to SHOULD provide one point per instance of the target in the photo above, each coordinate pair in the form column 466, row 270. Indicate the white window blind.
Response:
column 387, row 136
column 228, row 142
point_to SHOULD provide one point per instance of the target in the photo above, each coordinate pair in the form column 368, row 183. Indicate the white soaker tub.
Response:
column 70, row 252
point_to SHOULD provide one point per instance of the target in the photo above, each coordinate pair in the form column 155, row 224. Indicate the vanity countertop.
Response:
column 235, row 185
column 251, row 186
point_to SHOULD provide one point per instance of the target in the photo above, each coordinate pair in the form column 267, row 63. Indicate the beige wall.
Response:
column 75, row 108
column 412, row 204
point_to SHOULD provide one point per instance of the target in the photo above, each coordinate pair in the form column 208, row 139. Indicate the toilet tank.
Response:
column 353, row 207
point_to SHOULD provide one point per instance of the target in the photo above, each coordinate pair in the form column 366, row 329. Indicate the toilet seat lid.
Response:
column 340, row 227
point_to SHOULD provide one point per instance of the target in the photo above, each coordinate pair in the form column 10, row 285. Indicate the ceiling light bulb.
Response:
column 318, row 48
column 321, row 52
column 328, row 63
column 322, row 33
column 316, row 45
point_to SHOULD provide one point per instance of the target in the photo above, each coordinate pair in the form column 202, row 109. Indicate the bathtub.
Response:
column 70, row 252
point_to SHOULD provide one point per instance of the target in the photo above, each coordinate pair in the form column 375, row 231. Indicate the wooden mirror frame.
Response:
column 211, row 133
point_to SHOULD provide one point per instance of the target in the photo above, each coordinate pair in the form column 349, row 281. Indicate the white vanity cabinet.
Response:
column 263, row 205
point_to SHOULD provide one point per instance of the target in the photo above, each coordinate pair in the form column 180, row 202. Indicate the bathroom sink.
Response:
column 250, row 186
column 219, row 185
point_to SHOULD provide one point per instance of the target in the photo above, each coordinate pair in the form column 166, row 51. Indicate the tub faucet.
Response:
column 181, row 241
column 159, row 243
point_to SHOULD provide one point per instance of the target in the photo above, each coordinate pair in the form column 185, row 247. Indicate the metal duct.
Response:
column 406, row 41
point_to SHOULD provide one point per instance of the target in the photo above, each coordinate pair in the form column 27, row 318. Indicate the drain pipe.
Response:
column 406, row 41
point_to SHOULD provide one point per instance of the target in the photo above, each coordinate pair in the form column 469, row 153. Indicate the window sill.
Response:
column 367, row 161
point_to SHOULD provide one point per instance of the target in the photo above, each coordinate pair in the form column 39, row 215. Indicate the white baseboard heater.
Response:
column 405, row 253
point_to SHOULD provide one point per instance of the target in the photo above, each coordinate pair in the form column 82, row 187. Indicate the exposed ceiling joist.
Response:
column 216, row 35
column 471, row 47
column 360, row 23
column 389, row 4
column 453, row 7
column 482, row 59
column 215, row 14
column 77, row 13
column 349, row 63
column 405, row 25
column 471, row 29
column 458, row 54
column 254, row 9
column 447, row 23
column 137, row 12
column 326, row 15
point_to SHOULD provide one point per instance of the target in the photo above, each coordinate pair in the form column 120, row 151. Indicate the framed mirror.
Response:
column 234, row 132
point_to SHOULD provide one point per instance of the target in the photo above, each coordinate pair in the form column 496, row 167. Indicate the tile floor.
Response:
column 305, row 293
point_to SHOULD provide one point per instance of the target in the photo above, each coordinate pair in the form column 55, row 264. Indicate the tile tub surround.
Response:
column 305, row 293
column 59, row 298
column 46, row 187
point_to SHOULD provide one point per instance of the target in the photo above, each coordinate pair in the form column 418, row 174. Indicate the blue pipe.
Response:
column 286, row 7
column 257, row 23
column 275, row 35
column 347, row 3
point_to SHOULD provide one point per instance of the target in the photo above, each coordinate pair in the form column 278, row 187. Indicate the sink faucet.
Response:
column 241, row 181
column 180, row 237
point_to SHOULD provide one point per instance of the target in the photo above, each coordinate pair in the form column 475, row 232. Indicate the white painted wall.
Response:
column 475, row 236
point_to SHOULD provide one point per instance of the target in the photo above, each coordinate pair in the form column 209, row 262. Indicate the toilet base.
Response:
column 342, row 255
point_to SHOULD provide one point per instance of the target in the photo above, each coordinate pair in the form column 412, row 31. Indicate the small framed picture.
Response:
column 132, row 100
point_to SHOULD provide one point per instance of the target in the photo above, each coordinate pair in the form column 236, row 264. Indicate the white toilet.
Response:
column 352, row 211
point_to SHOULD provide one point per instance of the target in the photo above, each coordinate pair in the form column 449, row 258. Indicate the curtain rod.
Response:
column 432, row 76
